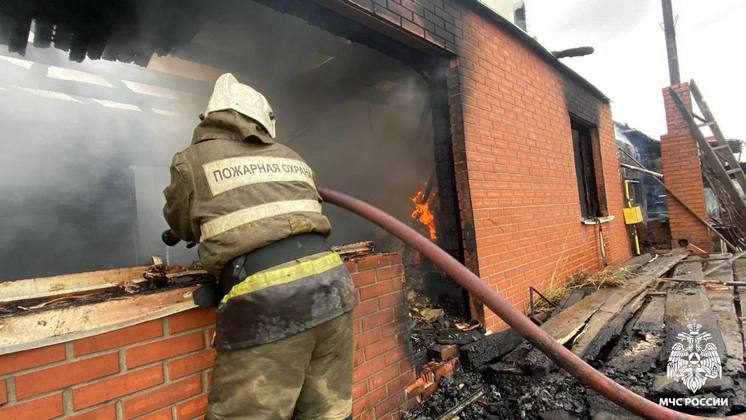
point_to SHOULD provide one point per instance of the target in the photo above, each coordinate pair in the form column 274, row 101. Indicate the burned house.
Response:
column 441, row 112
column 643, row 189
column 647, row 151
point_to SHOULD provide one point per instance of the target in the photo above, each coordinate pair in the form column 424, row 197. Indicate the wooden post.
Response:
column 670, row 31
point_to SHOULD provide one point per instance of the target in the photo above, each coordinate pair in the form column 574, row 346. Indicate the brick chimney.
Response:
column 682, row 171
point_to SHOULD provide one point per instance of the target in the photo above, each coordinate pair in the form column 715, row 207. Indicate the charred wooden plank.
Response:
column 606, row 324
column 683, row 307
column 490, row 347
column 567, row 324
column 24, row 332
column 651, row 318
column 711, row 282
column 572, row 297
column 606, row 305
column 724, row 310
column 636, row 262
column 635, row 354
column 357, row 249
column 688, row 270
column 66, row 284
column 718, row 257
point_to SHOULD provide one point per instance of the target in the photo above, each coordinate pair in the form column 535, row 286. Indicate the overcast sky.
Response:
column 630, row 64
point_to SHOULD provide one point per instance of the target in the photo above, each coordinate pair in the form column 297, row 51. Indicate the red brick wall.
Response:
column 382, row 366
column 515, row 166
column 682, row 171
column 161, row 368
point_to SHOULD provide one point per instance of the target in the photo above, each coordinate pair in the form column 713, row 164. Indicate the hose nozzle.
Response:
column 169, row 238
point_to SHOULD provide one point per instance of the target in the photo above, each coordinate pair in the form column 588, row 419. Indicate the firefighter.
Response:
column 284, row 322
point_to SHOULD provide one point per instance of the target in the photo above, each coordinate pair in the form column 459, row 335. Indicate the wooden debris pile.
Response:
column 630, row 331
column 634, row 333
column 560, row 296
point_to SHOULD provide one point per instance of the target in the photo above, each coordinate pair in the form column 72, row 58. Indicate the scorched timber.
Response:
column 720, row 257
column 724, row 309
column 39, row 329
column 66, row 284
column 651, row 318
column 684, row 305
column 568, row 323
column 688, row 271
column 608, row 321
column 572, row 297
column 103, row 289
column 357, row 249
column 619, row 306
column 593, row 321
column 636, row 262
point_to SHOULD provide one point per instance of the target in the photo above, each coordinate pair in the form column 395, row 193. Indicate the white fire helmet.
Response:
column 230, row 94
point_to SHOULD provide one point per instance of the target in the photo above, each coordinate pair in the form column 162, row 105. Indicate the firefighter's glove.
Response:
column 208, row 295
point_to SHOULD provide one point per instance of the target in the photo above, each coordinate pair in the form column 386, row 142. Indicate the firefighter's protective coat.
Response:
column 235, row 190
column 233, row 193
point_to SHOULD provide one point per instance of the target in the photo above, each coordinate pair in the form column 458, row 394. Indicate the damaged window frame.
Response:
column 587, row 159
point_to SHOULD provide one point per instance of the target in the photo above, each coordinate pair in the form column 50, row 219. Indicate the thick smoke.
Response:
column 87, row 146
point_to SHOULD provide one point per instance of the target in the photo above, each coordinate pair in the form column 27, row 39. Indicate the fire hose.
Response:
column 521, row 324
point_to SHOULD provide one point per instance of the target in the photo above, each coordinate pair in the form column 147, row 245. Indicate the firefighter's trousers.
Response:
column 304, row 376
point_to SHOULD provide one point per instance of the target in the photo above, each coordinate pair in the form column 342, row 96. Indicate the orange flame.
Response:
column 423, row 214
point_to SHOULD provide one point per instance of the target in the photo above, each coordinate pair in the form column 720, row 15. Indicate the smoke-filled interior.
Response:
column 87, row 145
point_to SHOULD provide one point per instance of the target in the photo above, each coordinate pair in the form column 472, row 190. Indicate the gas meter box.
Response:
column 632, row 215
